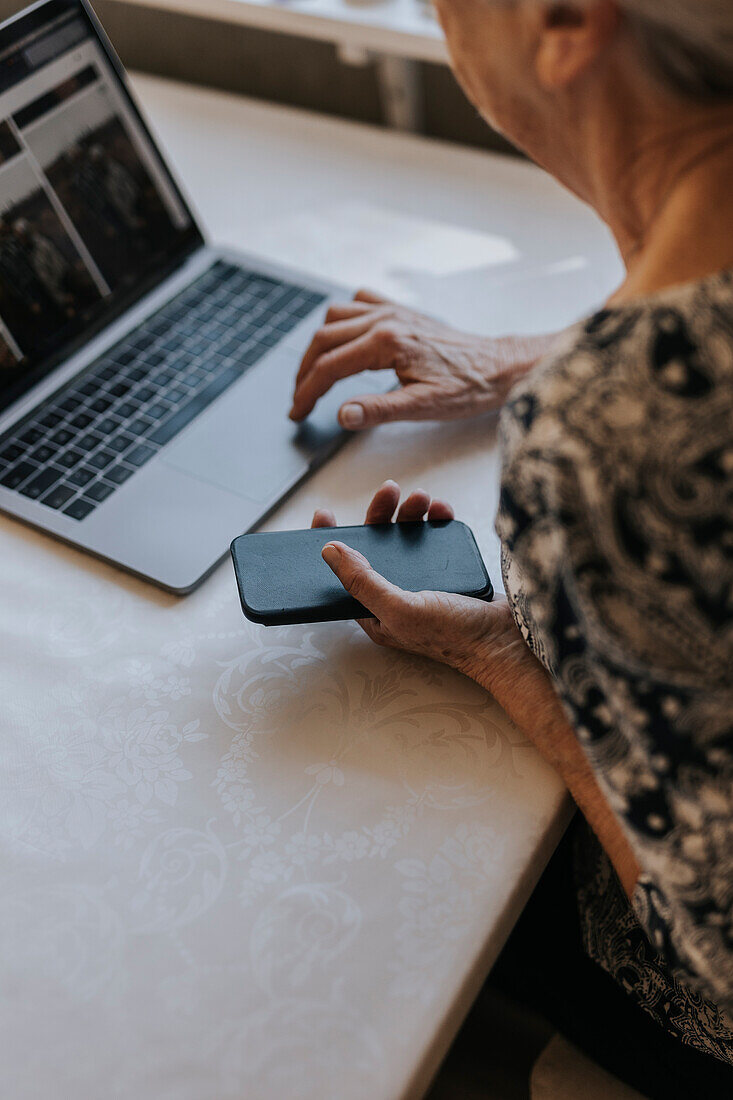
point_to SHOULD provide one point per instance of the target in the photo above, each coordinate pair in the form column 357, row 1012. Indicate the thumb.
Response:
column 413, row 402
column 359, row 579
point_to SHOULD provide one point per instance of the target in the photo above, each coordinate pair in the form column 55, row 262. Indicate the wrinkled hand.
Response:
column 455, row 630
column 444, row 374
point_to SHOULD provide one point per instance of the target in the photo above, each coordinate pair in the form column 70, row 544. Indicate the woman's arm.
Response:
column 521, row 685
column 444, row 374
column 482, row 641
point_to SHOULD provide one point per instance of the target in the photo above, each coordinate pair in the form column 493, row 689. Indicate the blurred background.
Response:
column 185, row 41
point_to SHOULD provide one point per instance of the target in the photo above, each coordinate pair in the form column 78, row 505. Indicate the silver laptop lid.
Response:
column 90, row 216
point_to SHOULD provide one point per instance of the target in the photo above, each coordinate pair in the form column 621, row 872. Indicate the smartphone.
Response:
column 283, row 579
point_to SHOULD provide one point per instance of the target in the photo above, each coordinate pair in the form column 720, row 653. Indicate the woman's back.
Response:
column 617, row 522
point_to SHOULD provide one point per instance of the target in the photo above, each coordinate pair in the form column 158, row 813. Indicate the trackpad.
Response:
column 245, row 442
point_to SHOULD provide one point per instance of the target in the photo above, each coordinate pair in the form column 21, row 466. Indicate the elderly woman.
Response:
column 614, row 648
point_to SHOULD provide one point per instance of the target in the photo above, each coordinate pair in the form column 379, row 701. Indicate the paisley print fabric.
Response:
column 616, row 521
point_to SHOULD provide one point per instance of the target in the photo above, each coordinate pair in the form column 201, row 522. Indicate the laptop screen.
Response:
column 89, row 214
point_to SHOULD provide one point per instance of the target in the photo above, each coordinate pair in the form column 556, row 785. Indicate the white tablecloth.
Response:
column 240, row 862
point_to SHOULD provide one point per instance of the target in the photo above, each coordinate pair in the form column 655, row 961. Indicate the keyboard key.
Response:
column 88, row 389
column 50, row 420
column 127, row 355
column 41, row 483
column 192, row 408
column 261, row 286
column 118, row 474
column 246, row 331
column 119, row 389
column 162, row 376
column 16, row 475
column 70, row 458
column 33, row 435
column 99, row 491
column 101, row 459
column 81, row 477
column 62, row 437
column 192, row 379
column 199, row 345
column 145, row 393
column 58, row 497
column 89, row 441
column 120, row 443
column 287, row 295
column 140, row 426
column 229, row 347
column 81, row 420
column 79, row 509
column 136, row 374
column 302, row 309
column 11, row 453
column 143, row 340
column 69, row 404
column 185, row 358
column 101, row 404
column 106, row 425
column 140, row 455
column 284, row 325
column 252, row 355
column 42, row 454
column 127, row 408
column 158, row 410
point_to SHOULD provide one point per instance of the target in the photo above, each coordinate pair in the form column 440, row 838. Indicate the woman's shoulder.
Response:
column 618, row 470
column 659, row 367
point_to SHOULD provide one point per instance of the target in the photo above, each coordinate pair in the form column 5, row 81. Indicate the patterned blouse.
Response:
column 616, row 521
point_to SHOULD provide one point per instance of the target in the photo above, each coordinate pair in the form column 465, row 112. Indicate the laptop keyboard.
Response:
column 74, row 450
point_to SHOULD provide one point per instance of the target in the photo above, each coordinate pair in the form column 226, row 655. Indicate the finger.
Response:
column 351, row 358
column 341, row 311
column 440, row 510
column 361, row 581
column 331, row 335
column 383, row 503
column 413, row 402
column 375, row 631
column 414, row 507
column 364, row 295
column 323, row 517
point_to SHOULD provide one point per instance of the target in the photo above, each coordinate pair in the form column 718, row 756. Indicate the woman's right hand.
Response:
column 443, row 374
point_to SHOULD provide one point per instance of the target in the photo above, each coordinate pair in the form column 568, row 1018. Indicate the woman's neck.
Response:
column 672, row 211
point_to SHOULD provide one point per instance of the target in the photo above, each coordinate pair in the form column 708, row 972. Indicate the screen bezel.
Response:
column 187, row 242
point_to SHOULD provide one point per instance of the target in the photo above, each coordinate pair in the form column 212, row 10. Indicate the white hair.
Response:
column 688, row 42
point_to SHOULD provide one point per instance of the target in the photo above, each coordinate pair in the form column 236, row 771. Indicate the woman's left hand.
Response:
column 481, row 640
column 455, row 630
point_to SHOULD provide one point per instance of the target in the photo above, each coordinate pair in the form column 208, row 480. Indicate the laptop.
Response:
column 145, row 376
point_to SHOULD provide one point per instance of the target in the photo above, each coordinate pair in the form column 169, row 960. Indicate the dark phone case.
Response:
column 283, row 579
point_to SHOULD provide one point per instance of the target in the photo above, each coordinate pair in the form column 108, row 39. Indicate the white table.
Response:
column 241, row 863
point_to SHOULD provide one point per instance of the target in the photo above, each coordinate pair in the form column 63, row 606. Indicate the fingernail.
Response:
column 352, row 416
column 331, row 555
